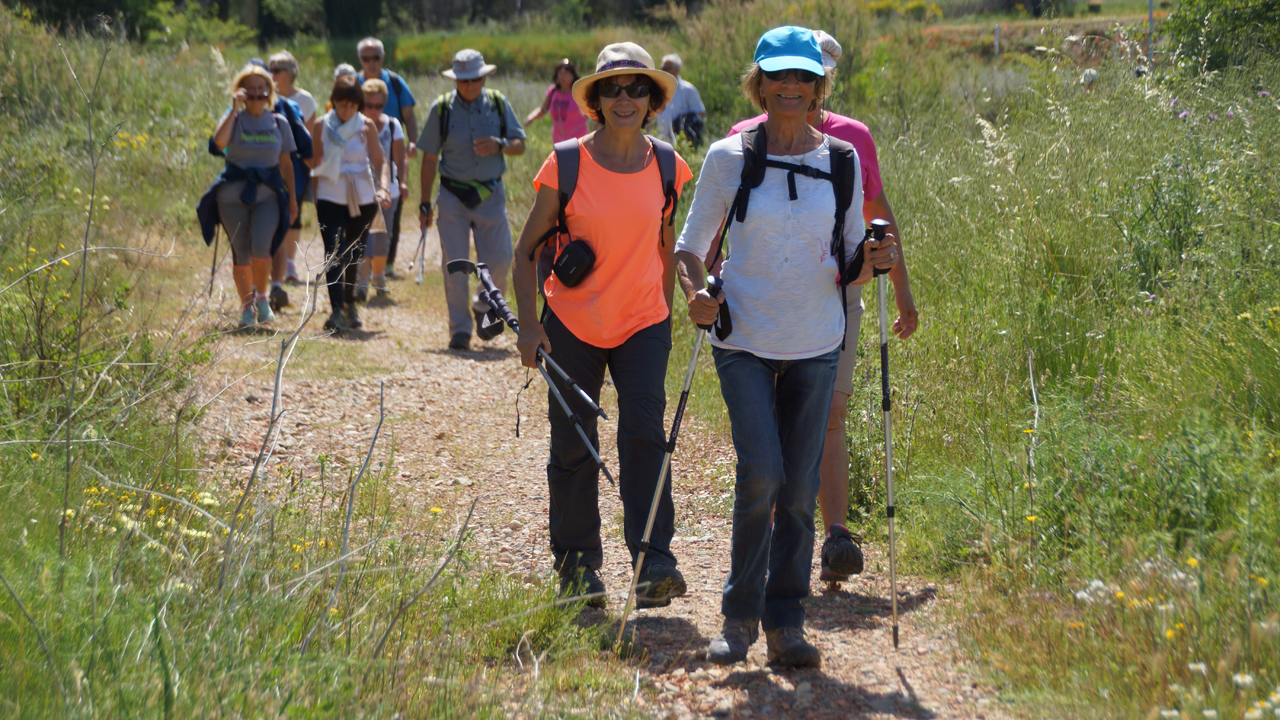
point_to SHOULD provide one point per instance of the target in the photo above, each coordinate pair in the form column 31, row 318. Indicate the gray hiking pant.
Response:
column 457, row 223
column 249, row 227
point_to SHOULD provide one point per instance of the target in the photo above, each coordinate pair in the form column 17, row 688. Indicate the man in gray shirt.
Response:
column 467, row 136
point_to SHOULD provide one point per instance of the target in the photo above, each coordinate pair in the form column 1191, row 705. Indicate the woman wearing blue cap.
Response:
column 795, row 231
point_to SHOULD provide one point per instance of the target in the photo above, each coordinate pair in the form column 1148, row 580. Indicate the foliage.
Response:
column 194, row 24
column 137, row 16
column 1213, row 34
column 130, row 616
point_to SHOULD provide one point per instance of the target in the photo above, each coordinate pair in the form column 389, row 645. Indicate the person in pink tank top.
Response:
column 841, row 550
column 567, row 120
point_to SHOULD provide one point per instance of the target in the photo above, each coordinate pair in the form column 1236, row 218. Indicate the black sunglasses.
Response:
column 634, row 90
column 371, row 58
column 802, row 76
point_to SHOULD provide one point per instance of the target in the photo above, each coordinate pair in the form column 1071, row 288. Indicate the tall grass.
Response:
column 180, row 590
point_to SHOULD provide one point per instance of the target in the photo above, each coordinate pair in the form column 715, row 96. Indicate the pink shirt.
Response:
column 567, row 120
column 850, row 131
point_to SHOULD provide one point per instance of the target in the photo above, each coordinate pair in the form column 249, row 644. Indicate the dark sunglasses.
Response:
column 371, row 106
column 370, row 58
column 256, row 96
column 634, row 90
column 275, row 70
column 468, row 81
column 802, row 76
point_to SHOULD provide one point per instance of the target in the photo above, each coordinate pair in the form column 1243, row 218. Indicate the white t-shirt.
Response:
column 686, row 100
column 305, row 102
column 387, row 135
column 780, row 279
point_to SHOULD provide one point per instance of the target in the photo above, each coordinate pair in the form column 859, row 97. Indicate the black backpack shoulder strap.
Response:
column 665, row 155
column 443, row 104
column 755, row 151
column 499, row 101
column 843, row 179
column 568, row 159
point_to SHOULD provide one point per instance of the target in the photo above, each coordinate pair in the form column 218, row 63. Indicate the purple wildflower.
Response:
column 1263, row 93
column 1175, row 101
column 1183, row 115
column 1231, row 114
column 1212, row 116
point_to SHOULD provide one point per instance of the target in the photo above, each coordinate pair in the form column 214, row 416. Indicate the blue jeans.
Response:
column 778, row 410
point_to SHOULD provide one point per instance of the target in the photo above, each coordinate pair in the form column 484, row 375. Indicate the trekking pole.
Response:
column 717, row 287
column 420, row 254
column 500, row 312
column 878, row 228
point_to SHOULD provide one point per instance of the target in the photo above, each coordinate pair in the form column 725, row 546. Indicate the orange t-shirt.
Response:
column 620, row 217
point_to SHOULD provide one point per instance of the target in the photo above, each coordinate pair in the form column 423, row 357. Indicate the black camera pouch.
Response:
column 574, row 263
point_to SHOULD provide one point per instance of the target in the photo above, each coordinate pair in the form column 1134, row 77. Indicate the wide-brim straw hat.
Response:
column 625, row 58
column 468, row 65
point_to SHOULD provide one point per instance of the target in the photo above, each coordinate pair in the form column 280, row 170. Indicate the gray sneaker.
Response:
column 735, row 638
column 788, row 648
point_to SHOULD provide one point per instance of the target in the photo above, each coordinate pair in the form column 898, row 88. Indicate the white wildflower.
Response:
column 1242, row 680
column 1170, row 714
column 1254, row 714
column 1198, row 668
column 1210, row 714
column 1084, row 596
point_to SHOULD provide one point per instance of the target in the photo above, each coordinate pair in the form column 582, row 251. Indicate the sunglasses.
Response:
column 801, row 76
column 634, row 90
column 371, row 106
column 275, row 70
column 468, row 81
column 370, row 58
column 256, row 96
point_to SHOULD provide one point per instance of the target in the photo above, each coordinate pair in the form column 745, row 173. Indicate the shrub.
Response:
column 1216, row 33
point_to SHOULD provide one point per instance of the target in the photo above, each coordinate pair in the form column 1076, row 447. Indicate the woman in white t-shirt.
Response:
column 391, row 137
column 284, row 71
column 348, row 158
column 777, row 365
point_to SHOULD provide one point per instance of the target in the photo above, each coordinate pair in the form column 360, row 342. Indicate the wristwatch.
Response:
column 424, row 207
column 504, row 142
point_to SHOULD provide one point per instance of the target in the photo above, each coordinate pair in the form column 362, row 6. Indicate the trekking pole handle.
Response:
column 879, row 227
column 715, row 287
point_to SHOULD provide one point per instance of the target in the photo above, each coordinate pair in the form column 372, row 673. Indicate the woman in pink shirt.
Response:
column 567, row 120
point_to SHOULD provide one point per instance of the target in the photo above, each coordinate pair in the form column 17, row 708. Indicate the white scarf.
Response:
column 335, row 134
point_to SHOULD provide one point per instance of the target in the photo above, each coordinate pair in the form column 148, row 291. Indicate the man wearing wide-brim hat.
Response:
column 467, row 135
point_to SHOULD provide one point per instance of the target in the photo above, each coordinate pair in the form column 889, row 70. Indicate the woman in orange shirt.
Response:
column 616, row 317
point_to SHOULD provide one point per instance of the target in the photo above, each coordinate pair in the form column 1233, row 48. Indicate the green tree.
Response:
column 352, row 18
column 135, row 14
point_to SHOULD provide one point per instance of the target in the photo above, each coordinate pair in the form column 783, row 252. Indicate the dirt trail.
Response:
column 451, row 416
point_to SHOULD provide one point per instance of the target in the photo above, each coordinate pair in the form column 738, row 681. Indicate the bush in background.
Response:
column 1213, row 34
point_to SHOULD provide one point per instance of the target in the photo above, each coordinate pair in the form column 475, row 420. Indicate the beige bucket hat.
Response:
column 625, row 58
column 468, row 65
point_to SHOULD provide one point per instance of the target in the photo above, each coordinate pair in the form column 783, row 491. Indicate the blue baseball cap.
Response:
column 789, row 47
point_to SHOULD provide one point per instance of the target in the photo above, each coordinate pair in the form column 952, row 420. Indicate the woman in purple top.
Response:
column 567, row 120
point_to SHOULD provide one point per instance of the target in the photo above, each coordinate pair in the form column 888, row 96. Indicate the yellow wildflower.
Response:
column 1193, row 562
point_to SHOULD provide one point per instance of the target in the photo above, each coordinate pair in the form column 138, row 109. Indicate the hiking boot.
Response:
column 659, row 582
column 579, row 581
column 734, row 639
column 337, row 321
column 788, row 648
column 264, row 311
column 279, row 299
column 360, row 294
column 380, row 285
column 390, row 273
column 460, row 341
column 247, row 319
column 353, row 317
column 291, row 273
column 841, row 555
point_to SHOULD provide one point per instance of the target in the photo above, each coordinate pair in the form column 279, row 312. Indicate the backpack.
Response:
column 568, row 158
column 755, row 162
column 445, row 102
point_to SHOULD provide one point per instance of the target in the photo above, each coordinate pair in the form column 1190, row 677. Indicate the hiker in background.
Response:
column 685, row 113
column 466, row 137
column 842, row 548
column 617, row 318
column 777, row 364
column 391, row 137
column 567, row 120
column 352, row 176
column 254, row 196
column 399, row 105
column 284, row 71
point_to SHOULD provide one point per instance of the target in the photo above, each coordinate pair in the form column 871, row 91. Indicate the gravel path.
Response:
column 451, row 417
